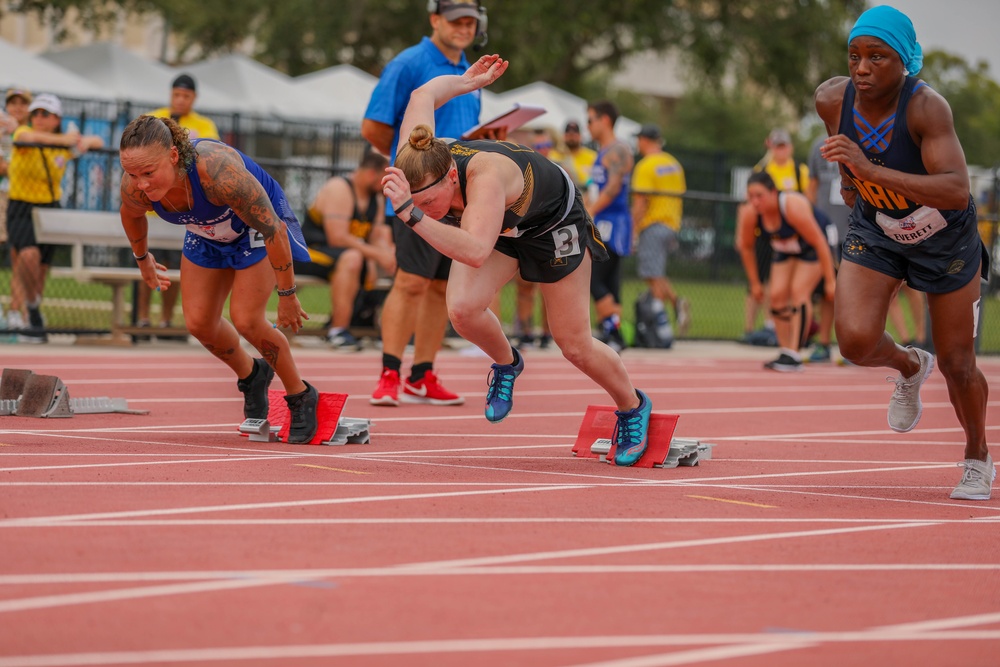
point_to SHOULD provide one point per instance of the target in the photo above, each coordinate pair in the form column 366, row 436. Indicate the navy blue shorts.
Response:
column 943, row 263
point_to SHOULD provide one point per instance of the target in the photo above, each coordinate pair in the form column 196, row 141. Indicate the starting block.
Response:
column 26, row 394
column 663, row 451
column 333, row 428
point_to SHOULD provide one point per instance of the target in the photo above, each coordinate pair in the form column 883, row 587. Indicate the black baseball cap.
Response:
column 649, row 132
column 572, row 126
column 184, row 81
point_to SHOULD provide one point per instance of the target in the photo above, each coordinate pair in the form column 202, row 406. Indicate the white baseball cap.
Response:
column 49, row 102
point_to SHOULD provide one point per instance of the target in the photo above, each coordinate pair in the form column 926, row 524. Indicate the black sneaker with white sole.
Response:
column 304, row 421
column 254, row 388
column 785, row 363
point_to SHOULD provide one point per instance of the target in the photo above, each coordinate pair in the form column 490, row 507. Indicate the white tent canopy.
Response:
column 561, row 107
column 127, row 76
column 22, row 69
column 346, row 89
column 260, row 89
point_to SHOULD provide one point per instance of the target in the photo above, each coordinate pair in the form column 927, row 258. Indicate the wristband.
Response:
column 286, row 292
column 139, row 258
column 402, row 207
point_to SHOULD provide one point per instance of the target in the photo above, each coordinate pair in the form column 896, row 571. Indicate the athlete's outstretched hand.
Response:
column 485, row 71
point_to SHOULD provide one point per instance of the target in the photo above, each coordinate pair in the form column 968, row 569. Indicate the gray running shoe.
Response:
column 977, row 480
column 905, row 406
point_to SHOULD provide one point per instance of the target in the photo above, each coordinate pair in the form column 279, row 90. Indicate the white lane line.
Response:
column 767, row 642
column 45, row 520
column 124, row 464
column 500, row 570
column 415, row 521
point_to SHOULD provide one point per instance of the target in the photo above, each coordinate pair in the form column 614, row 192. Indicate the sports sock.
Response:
column 419, row 370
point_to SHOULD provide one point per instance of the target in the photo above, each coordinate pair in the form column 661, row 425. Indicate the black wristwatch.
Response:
column 416, row 215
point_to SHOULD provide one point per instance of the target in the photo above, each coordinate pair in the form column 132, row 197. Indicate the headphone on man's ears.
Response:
column 434, row 7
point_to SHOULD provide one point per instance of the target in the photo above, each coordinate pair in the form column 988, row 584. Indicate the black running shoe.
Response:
column 302, row 407
column 785, row 363
column 254, row 388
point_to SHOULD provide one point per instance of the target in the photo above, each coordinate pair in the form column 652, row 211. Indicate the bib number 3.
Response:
column 567, row 241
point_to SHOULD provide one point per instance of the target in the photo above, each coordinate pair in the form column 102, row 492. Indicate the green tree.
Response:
column 974, row 98
column 787, row 46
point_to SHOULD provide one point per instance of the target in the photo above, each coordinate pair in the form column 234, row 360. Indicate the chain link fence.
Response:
column 705, row 268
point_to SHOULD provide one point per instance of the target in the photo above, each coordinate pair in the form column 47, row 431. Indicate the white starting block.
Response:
column 350, row 431
column 684, row 452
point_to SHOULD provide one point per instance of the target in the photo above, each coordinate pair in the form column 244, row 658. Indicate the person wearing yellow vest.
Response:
column 183, row 93
column 582, row 157
column 41, row 153
column 657, row 185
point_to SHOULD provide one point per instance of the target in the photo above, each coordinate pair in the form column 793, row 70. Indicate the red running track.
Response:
column 814, row 536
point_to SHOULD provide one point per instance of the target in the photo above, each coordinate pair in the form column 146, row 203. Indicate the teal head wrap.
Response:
column 895, row 29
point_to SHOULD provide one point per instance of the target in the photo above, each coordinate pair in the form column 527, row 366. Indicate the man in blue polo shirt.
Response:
column 415, row 305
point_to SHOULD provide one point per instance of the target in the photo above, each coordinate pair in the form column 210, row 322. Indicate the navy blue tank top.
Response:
column 901, row 154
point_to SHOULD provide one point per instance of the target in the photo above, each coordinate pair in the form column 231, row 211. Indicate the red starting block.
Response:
column 327, row 414
column 599, row 425
column 333, row 429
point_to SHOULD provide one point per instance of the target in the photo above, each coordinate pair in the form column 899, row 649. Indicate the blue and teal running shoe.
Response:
column 500, row 397
column 632, row 432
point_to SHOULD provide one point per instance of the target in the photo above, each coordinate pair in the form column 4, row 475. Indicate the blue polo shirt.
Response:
column 408, row 71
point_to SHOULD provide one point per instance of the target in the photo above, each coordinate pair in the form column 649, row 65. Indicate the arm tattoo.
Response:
column 617, row 160
column 230, row 184
column 132, row 197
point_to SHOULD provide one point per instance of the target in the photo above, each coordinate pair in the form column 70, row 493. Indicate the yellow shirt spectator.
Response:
column 784, row 176
column 654, row 175
column 198, row 126
column 36, row 173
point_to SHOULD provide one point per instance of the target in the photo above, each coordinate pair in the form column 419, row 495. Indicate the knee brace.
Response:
column 784, row 314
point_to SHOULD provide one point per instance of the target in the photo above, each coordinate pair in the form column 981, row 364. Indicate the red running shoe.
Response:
column 429, row 390
column 387, row 391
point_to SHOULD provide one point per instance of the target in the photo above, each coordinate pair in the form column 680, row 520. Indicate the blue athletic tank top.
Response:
column 615, row 221
column 220, row 224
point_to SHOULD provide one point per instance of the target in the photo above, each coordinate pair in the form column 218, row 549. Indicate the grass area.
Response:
column 717, row 308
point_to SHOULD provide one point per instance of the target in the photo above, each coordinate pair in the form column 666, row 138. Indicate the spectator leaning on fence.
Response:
column 39, row 159
column 183, row 93
column 15, row 115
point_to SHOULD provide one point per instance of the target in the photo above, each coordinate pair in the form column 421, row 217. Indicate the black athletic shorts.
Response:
column 324, row 261
column 552, row 255
column 415, row 255
column 21, row 228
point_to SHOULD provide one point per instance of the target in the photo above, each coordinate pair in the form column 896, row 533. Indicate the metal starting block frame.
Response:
column 26, row 394
column 683, row 452
column 350, row 431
